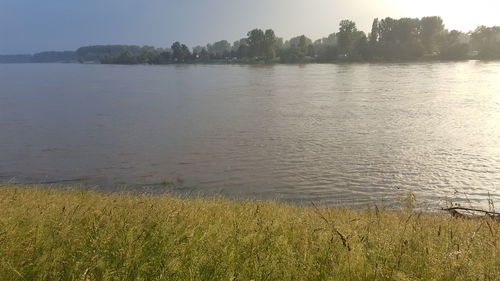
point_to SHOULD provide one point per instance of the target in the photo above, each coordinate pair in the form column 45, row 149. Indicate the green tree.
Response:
column 374, row 33
column 301, row 42
column 243, row 51
column 180, row 52
column 219, row 49
column 487, row 41
column 385, row 28
column 452, row 45
column 125, row 58
column 256, row 41
column 325, row 49
column 197, row 50
column 431, row 28
column 261, row 44
column 165, row 58
column 238, row 43
column 348, row 37
column 297, row 48
column 398, row 39
column 291, row 55
column 270, row 42
column 406, row 31
column 345, row 36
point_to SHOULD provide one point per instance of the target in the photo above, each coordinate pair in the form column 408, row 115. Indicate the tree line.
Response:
column 390, row 39
column 404, row 39
column 64, row 56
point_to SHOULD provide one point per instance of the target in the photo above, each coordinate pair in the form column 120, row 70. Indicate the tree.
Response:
column 331, row 40
column 385, row 28
column 164, row 58
column 197, row 50
column 235, row 49
column 255, row 40
column 279, row 43
column 126, row 58
column 291, row 55
column 204, row 54
column 452, row 45
column 328, row 54
column 363, row 51
column 243, row 51
column 487, row 41
column 261, row 44
column 219, row 49
column 398, row 39
column 300, row 42
column 348, row 37
column 95, row 53
column 406, row 31
column 238, row 43
column 180, row 52
column 270, row 42
column 65, row 56
column 303, row 43
column 374, row 33
column 389, row 39
column 296, row 49
column 431, row 27
column 345, row 36
column 325, row 49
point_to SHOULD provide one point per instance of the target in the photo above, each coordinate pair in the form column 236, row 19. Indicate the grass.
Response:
column 75, row 234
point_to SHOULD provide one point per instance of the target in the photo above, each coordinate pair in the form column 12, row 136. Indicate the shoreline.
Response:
column 381, row 62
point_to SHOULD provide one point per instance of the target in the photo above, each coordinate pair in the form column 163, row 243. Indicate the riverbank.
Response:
column 74, row 234
column 277, row 62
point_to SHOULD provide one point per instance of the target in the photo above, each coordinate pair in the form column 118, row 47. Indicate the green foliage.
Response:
column 374, row 35
column 43, row 57
column 325, row 49
column 256, row 42
column 219, row 50
column 70, row 234
column 180, row 52
column 350, row 41
column 487, row 41
column 124, row 58
column 346, row 35
column 16, row 58
column 297, row 49
column 328, row 54
column 396, row 39
column 404, row 39
column 431, row 28
column 65, row 56
column 96, row 53
column 301, row 42
column 243, row 51
column 452, row 46
column 270, row 42
column 292, row 55
column 261, row 45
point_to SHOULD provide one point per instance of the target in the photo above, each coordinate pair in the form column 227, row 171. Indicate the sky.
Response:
column 29, row 26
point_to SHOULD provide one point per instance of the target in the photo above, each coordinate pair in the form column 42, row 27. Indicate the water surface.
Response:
column 334, row 134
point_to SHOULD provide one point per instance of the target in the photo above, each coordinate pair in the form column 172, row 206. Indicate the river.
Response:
column 350, row 134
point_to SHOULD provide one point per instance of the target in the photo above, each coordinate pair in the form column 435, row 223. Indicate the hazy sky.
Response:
column 28, row 26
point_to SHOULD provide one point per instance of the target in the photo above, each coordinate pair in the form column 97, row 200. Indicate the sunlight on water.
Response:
column 335, row 134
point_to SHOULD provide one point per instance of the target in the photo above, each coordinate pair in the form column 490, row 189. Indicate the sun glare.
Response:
column 461, row 15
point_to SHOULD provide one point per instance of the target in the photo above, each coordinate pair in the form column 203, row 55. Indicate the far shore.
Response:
column 257, row 62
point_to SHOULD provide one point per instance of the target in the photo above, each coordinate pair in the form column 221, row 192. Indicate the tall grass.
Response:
column 71, row 234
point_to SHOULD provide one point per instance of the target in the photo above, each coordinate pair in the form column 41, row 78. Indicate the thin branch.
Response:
column 470, row 210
